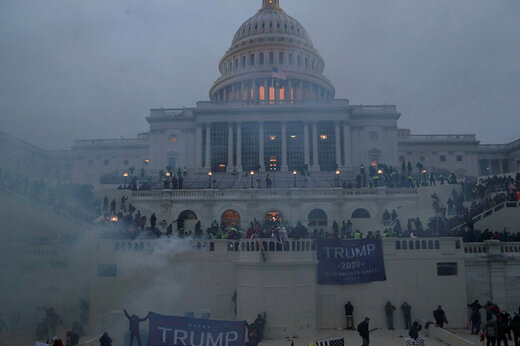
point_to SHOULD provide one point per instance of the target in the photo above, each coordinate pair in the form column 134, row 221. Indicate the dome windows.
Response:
column 280, row 58
column 261, row 58
column 243, row 61
column 299, row 61
column 252, row 60
column 290, row 59
column 271, row 58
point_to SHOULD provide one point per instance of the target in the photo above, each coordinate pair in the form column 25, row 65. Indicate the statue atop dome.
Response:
column 271, row 4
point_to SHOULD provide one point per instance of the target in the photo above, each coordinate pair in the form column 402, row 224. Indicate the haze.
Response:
column 93, row 68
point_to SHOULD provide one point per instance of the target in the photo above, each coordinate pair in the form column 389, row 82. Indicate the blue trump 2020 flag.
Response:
column 343, row 262
column 184, row 331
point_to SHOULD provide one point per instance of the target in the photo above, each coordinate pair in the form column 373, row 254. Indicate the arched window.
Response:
column 273, row 216
column 271, row 58
column 361, row 214
column 230, row 218
column 261, row 60
column 188, row 215
column 317, row 217
column 291, row 59
column 280, row 58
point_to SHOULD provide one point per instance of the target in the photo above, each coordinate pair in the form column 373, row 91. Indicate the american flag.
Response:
column 279, row 74
column 331, row 342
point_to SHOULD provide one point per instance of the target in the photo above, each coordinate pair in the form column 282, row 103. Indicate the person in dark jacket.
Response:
column 363, row 331
column 515, row 328
column 133, row 326
column 407, row 312
column 414, row 330
column 389, row 310
column 502, row 330
column 105, row 340
column 475, row 317
column 440, row 317
column 349, row 311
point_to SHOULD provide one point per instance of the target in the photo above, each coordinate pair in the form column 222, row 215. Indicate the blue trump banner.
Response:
column 183, row 331
column 343, row 262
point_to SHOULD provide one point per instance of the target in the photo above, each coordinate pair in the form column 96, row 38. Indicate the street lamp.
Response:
column 209, row 179
column 125, row 174
column 168, row 174
column 424, row 175
column 294, row 178
column 252, row 174
column 336, row 178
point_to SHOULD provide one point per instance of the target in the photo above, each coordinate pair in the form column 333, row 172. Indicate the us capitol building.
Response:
column 281, row 121
column 272, row 111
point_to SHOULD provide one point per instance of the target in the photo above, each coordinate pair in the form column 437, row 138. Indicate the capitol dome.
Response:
column 273, row 59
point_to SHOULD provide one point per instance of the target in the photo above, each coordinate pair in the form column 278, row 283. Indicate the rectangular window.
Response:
column 107, row 270
column 373, row 136
column 459, row 158
column 271, row 58
column 447, row 269
column 173, row 138
column 280, row 58
column 261, row 58
column 443, row 158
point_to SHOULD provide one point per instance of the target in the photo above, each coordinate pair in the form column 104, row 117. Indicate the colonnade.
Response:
column 343, row 158
column 262, row 90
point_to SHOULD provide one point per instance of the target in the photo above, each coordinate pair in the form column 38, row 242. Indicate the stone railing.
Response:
column 271, row 193
column 489, row 212
column 420, row 138
column 492, row 248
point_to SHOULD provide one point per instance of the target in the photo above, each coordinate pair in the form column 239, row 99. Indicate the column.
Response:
column 239, row 147
column 284, row 167
column 338, row 144
column 266, row 92
column 315, row 164
column 306, row 156
column 226, row 99
column 230, row 148
column 261, row 145
column 255, row 90
column 198, row 147
column 347, row 142
column 233, row 93
column 208, row 146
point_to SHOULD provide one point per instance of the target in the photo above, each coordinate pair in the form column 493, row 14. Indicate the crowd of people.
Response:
column 500, row 326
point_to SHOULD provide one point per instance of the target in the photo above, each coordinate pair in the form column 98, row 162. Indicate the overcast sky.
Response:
column 77, row 69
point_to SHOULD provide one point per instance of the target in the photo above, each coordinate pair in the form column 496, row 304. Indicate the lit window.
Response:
column 272, row 137
column 282, row 94
column 173, row 138
column 262, row 93
column 271, row 93
column 324, row 137
column 293, row 136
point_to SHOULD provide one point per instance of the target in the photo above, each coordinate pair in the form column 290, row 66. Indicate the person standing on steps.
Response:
column 349, row 310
